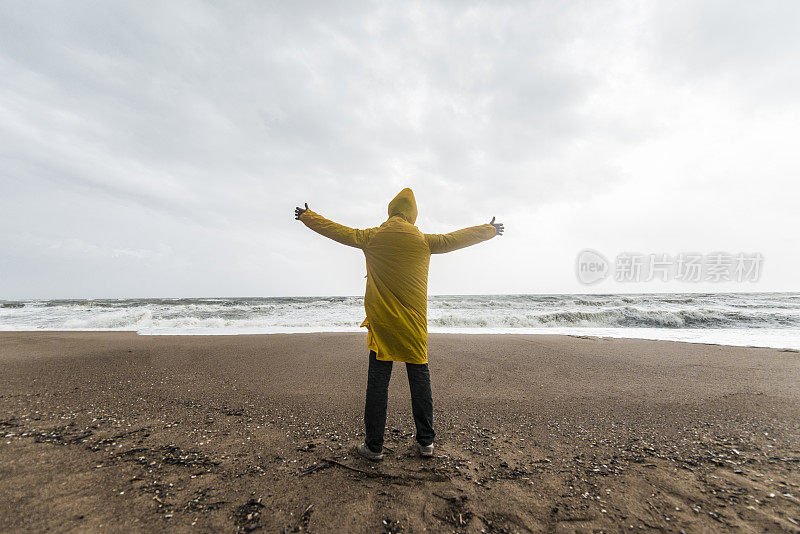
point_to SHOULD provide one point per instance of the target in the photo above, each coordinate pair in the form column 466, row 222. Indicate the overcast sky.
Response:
column 159, row 148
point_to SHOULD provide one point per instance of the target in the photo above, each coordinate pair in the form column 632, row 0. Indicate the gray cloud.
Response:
column 196, row 127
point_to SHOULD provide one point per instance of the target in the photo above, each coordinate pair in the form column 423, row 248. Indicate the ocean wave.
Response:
column 625, row 317
column 509, row 312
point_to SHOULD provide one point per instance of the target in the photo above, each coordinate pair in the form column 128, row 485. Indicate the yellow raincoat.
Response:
column 397, row 254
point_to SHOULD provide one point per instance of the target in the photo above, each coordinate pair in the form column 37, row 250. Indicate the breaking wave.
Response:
column 471, row 313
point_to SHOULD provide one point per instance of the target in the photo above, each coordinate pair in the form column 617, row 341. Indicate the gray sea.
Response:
column 758, row 319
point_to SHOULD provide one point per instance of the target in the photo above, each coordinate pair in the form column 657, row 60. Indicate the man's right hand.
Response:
column 299, row 211
column 498, row 227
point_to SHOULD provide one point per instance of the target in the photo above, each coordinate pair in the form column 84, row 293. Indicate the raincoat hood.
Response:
column 404, row 205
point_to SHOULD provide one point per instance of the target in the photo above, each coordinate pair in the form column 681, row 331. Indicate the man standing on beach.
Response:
column 396, row 304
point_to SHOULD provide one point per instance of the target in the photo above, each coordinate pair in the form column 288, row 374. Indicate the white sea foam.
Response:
column 760, row 319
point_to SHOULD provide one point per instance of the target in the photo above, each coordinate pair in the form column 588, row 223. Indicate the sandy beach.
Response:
column 120, row 432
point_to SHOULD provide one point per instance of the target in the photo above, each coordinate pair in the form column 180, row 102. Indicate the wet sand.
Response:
column 535, row 433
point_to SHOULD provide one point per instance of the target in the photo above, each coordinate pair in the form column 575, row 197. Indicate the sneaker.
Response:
column 426, row 451
column 364, row 451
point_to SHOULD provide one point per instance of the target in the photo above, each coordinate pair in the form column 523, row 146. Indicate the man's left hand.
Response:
column 498, row 227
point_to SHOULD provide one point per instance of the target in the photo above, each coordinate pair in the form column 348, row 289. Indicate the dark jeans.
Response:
column 419, row 380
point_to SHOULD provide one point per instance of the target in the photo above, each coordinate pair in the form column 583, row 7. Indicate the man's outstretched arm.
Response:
column 441, row 243
column 345, row 235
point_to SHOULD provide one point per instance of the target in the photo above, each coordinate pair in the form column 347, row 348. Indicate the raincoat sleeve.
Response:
column 441, row 243
column 345, row 235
